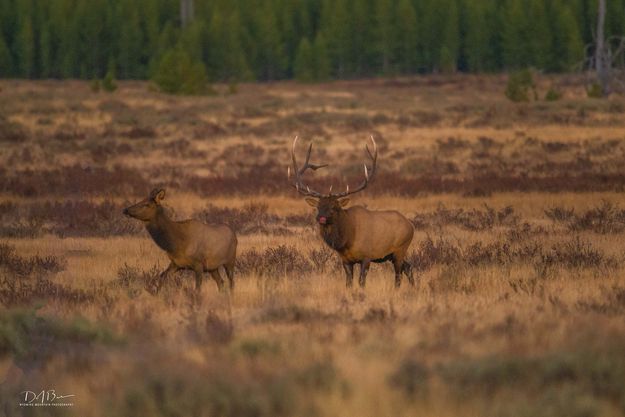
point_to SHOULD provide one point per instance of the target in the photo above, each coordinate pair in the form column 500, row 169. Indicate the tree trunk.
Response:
column 602, row 59
column 186, row 12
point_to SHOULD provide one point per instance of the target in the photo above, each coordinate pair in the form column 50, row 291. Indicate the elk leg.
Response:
column 398, row 267
column 217, row 277
column 198, row 277
column 230, row 274
column 364, row 268
column 407, row 269
column 349, row 273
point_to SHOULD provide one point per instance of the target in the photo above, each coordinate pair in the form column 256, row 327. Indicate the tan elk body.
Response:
column 189, row 244
column 358, row 235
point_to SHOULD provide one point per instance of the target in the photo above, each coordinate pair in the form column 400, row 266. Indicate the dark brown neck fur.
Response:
column 161, row 228
column 336, row 234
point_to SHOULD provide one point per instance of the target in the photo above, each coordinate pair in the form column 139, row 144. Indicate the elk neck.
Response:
column 336, row 234
column 163, row 230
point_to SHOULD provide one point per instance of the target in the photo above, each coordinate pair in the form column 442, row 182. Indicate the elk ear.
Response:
column 344, row 201
column 313, row 202
column 158, row 195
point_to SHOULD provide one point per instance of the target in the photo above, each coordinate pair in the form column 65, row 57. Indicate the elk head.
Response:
column 331, row 204
column 146, row 209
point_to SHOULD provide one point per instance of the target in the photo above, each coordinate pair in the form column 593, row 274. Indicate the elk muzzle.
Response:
column 322, row 219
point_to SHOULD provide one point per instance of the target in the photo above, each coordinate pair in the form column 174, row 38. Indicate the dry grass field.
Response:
column 519, row 308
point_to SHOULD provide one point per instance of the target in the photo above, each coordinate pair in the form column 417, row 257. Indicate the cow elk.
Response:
column 358, row 235
column 189, row 244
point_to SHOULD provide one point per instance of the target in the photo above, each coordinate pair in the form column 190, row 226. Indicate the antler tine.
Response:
column 368, row 174
column 307, row 164
column 298, row 172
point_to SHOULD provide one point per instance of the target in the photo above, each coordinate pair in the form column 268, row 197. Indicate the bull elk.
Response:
column 358, row 235
column 189, row 244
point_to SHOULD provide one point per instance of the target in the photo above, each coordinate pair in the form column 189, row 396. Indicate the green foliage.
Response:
column 476, row 46
column 108, row 83
column 185, row 390
column 304, row 65
column 233, row 87
column 178, row 73
column 519, row 85
column 594, row 90
column 95, row 85
column 24, row 334
column 406, row 37
column 321, row 61
column 248, row 39
column 597, row 373
column 450, row 39
column 6, row 62
column 553, row 94
column 411, row 377
column 516, row 42
column 26, row 49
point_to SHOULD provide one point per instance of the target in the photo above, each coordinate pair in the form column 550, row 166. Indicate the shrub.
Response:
column 553, row 94
column 11, row 131
column 108, row 83
column 304, row 66
column 578, row 253
column 274, row 261
column 251, row 218
column 474, row 220
column 594, row 91
column 411, row 377
column 519, row 85
column 95, row 85
column 30, row 337
column 18, row 265
column 132, row 279
column 604, row 218
column 178, row 73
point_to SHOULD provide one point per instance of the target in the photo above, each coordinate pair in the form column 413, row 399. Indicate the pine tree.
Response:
column 359, row 49
column 477, row 36
column 321, row 61
column 130, row 41
column 335, row 25
column 289, row 34
column 6, row 62
column 270, row 56
column 384, row 34
column 448, row 56
column 178, row 73
column 516, row 42
column 25, row 48
column 539, row 35
column 406, row 37
column 567, row 48
column 225, row 57
column 45, row 51
column 495, row 21
column 192, row 39
column 304, row 63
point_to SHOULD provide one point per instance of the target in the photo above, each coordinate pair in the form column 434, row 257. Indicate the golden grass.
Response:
column 301, row 343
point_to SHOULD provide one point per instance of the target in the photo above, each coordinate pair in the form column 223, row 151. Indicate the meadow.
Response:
column 519, row 253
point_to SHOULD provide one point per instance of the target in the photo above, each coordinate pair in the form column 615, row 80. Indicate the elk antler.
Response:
column 368, row 174
column 301, row 188
column 305, row 190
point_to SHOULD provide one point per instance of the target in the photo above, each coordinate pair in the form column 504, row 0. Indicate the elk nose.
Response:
column 126, row 211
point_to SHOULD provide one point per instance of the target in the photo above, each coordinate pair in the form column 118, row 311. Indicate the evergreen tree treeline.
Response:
column 304, row 39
